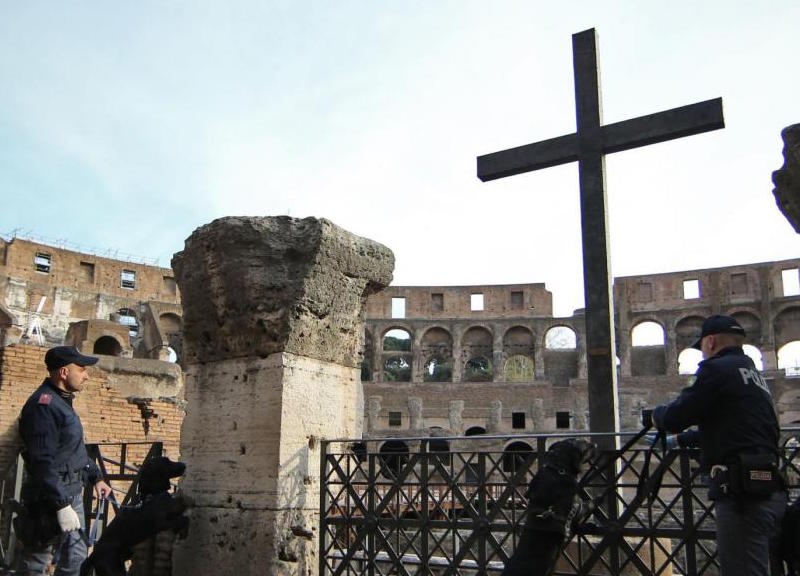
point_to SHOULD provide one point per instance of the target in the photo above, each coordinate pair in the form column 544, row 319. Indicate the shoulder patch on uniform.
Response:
column 45, row 399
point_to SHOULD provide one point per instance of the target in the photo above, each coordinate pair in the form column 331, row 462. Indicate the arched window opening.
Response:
column 751, row 324
column 393, row 456
column 518, row 341
column 170, row 323
column 441, row 449
column 789, row 359
column 688, row 360
column 755, row 355
column 647, row 334
column 397, row 340
column 518, row 368
column 478, row 369
column 127, row 317
column 437, row 370
column 476, row 341
column 107, row 346
column 560, row 338
column 687, row 330
column 475, row 431
column 514, row 456
column 787, row 326
column 648, row 353
column 172, row 355
column 396, row 369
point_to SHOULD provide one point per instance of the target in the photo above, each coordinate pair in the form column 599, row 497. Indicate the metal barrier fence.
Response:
column 115, row 463
column 456, row 505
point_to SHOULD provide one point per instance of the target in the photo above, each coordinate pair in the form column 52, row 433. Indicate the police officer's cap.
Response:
column 718, row 324
column 63, row 355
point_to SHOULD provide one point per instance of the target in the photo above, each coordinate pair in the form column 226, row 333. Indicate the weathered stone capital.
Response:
column 787, row 178
column 254, row 286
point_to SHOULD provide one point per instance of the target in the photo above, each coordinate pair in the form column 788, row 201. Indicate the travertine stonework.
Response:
column 273, row 311
column 787, row 178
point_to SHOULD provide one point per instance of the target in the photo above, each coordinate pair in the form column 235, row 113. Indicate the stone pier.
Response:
column 273, row 311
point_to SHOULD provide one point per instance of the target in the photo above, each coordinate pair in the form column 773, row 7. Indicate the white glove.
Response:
column 68, row 519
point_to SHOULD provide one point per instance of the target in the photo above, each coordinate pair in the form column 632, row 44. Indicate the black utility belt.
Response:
column 751, row 475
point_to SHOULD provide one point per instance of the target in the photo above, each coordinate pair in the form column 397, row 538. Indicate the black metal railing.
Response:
column 116, row 463
column 456, row 506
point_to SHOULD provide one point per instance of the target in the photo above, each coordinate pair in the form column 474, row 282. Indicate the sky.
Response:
column 128, row 125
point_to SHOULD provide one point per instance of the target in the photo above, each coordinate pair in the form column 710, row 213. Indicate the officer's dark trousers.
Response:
column 70, row 549
column 747, row 530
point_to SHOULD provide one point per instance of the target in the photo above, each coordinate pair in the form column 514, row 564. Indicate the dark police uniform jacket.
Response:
column 55, row 454
column 732, row 407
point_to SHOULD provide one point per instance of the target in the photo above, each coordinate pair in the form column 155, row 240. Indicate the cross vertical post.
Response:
column 588, row 146
column 599, row 316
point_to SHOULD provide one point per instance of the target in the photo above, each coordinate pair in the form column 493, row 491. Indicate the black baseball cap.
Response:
column 62, row 355
column 718, row 324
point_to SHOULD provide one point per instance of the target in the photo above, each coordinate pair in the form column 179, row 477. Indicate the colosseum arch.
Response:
column 518, row 351
column 170, row 322
column 648, row 352
column 687, row 329
column 560, row 354
column 396, row 356
column 518, row 340
column 514, row 455
column 396, row 339
column 107, row 346
column 393, row 456
column 787, row 326
column 477, row 341
column 751, row 324
column 437, row 353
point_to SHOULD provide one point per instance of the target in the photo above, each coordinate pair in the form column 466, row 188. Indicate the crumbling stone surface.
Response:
column 277, row 284
column 787, row 178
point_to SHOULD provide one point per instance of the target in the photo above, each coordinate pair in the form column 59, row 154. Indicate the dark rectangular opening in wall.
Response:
column 437, row 302
column 170, row 287
column 738, row 284
column 562, row 420
column 517, row 300
column 647, row 417
column 87, row 272
column 518, row 420
column 395, row 419
column 42, row 262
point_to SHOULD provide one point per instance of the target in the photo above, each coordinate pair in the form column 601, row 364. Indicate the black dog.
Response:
column 554, row 508
column 790, row 539
column 156, row 510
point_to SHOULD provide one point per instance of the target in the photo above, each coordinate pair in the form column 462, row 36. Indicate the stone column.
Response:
column 495, row 421
column 373, row 413
column 415, row 413
column 273, row 312
column 454, row 415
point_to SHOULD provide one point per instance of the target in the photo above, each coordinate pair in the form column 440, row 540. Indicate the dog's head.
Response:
column 155, row 474
column 571, row 455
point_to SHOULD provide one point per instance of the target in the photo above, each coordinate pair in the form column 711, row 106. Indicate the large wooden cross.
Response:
column 588, row 145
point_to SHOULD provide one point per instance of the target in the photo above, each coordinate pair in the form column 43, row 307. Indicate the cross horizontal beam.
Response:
column 651, row 129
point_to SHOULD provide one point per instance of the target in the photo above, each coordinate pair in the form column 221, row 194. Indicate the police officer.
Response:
column 737, row 427
column 57, row 463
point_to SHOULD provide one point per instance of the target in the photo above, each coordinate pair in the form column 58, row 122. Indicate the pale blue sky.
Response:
column 128, row 125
